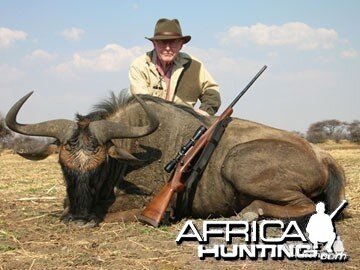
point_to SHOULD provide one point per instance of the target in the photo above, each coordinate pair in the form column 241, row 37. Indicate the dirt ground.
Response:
column 32, row 237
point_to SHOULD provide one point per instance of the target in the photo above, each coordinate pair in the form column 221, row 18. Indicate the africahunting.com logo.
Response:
column 239, row 240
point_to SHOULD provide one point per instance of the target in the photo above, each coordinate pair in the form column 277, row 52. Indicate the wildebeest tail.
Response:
column 334, row 191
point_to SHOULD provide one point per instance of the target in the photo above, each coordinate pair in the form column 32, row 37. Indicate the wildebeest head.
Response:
column 82, row 144
column 87, row 156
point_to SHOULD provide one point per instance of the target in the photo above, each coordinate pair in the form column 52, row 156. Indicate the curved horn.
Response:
column 61, row 129
column 105, row 130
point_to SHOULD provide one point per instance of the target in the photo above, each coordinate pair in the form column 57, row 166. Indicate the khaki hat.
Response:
column 168, row 29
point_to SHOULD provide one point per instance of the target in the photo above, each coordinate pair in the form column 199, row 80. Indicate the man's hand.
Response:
column 201, row 112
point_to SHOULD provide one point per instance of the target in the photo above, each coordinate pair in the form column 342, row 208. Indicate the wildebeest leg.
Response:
column 123, row 216
column 279, row 177
column 260, row 208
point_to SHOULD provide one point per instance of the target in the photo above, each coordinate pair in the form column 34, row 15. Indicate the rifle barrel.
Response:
column 247, row 87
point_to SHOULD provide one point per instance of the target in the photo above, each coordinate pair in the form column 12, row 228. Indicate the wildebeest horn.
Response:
column 105, row 130
column 60, row 129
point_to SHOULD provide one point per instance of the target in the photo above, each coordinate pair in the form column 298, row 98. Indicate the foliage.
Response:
column 335, row 130
column 354, row 130
column 8, row 139
column 4, row 131
column 298, row 133
column 5, row 134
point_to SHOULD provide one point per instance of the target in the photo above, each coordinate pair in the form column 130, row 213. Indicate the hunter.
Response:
column 167, row 73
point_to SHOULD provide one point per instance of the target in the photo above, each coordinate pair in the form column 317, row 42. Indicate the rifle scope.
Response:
column 171, row 165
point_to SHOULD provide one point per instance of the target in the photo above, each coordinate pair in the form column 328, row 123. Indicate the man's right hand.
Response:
column 201, row 112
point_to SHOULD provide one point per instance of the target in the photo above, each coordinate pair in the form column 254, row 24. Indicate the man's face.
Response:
column 168, row 49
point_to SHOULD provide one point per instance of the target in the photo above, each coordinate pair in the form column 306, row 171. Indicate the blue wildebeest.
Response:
column 255, row 168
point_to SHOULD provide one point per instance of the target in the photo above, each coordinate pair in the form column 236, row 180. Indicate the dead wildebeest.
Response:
column 255, row 168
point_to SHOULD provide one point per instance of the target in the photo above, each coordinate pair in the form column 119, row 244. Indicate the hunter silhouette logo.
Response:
column 320, row 229
column 252, row 240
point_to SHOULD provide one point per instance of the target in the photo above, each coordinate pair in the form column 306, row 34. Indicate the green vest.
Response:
column 188, row 86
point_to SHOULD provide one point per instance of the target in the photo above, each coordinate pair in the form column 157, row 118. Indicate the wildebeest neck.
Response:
column 173, row 124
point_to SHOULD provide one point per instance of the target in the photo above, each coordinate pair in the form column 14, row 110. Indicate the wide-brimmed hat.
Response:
column 168, row 29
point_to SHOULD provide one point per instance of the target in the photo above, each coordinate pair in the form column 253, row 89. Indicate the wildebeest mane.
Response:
column 114, row 102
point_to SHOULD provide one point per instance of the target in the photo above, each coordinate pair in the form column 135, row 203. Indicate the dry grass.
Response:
column 32, row 237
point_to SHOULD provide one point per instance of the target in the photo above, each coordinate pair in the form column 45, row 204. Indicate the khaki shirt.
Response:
column 145, row 79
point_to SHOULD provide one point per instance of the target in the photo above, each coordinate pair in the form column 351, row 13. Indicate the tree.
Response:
column 328, row 129
column 298, row 133
column 315, row 133
column 5, row 134
column 4, row 131
column 354, row 130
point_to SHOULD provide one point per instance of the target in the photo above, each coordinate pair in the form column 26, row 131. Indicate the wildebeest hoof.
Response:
column 250, row 216
column 91, row 224
column 86, row 224
column 66, row 217
column 79, row 222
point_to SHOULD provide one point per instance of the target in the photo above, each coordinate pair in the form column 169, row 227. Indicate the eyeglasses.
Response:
column 173, row 43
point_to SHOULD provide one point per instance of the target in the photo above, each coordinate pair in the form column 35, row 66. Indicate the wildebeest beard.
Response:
column 90, row 193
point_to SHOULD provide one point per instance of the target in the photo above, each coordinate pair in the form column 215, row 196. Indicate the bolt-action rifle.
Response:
column 155, row 210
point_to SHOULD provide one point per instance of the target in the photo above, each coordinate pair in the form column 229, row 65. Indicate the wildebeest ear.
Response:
column 40, row 152
column 122, row 155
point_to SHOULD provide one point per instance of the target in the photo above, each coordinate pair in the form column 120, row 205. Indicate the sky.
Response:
column 73, row 53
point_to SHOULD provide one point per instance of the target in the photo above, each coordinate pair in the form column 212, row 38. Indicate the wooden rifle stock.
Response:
column 155, row 210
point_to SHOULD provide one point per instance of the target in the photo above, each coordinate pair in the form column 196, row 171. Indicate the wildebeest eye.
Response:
column 68, row 147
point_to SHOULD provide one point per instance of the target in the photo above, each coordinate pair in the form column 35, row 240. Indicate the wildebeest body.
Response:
column 252, row 162
column 255, row 168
